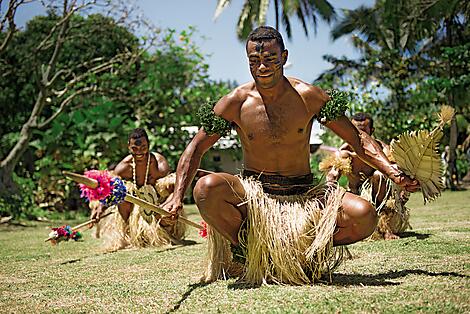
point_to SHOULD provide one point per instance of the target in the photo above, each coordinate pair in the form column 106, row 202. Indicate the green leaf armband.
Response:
column 335, row 107
column 212, row 123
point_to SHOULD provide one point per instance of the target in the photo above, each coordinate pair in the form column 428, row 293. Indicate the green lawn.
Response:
column 427, row 270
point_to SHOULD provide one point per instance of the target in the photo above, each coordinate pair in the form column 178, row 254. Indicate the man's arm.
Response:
column 191, row 159
column 227, row 108
column 370, row 152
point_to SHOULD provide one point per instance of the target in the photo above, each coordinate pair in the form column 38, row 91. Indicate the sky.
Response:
column 217, row 39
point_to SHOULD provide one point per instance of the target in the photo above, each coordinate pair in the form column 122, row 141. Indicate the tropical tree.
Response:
column 158, row 91
column 56, row 81
column 254, row 13
column 405, row 47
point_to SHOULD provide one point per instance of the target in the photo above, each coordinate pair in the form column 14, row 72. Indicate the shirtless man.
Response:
column 361, row 171
column 273, row 116
column 140, row 170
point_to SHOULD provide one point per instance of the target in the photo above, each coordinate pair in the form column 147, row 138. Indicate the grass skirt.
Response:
column 289, row 238
column 143, row 229
column 394, row 216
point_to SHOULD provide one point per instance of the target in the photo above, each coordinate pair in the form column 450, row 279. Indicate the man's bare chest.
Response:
column 275, row 123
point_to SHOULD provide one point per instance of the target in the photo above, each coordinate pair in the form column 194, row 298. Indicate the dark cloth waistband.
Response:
column 282, row 185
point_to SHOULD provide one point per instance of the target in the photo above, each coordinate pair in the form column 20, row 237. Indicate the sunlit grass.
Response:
column 427, row 270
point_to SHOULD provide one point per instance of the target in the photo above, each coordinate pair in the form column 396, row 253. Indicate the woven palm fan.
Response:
column 416, row 154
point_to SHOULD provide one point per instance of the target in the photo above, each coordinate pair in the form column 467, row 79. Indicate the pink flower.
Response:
column 103, row 190
column 203, row 232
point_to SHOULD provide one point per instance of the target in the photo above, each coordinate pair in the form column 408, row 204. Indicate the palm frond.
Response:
column 416, row 154
column 263, row 11
column 324, row 9
column 245, row 21
column 221, row 5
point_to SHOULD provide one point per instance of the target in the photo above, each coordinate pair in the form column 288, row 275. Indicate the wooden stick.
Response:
column 132, row 199
column 92, row 183
column 91, row 221
column 158, row 210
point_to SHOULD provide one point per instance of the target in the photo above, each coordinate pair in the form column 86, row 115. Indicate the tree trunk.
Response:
column 7, row 166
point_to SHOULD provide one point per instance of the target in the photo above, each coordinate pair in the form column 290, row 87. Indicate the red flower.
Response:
column 203, row 232
column 61, row 232
column 103, row 190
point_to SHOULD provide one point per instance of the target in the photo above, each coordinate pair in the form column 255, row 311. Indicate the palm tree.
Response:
column 411, row 32
column 254, row 13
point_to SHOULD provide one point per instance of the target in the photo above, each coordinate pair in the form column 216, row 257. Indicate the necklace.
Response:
column 146, row 170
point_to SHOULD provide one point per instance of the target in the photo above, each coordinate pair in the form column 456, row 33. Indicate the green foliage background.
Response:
column 159, row 92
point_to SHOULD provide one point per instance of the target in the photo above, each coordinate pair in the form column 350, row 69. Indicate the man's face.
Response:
column 363, row 126
column 138, row 147
column 266, row 62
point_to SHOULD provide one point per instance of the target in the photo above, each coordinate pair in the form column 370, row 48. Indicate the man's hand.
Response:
column 97, row 210
column 400, row 178
column 174, row 206
column 333, row 175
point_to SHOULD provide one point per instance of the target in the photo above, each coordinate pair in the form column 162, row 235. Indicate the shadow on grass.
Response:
column 240, row 285
column 382, row 279
column 418, row 236
column 186, row 295
column 178, row 246
column 366, row 279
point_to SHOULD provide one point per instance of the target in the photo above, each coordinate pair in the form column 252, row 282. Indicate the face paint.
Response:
column 139, row 148
column 266, row 62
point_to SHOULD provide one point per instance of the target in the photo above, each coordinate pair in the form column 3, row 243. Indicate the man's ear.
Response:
column 284, row 55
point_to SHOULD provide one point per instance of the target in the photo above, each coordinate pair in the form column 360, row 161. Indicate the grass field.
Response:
column 426, row 271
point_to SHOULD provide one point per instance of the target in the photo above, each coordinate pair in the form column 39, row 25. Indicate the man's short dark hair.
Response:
column 266, row 33
column 137, row 133
column 362, row 116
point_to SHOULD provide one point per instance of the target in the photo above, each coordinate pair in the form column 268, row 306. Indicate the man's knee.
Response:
column 365, row 216
column 208, row 186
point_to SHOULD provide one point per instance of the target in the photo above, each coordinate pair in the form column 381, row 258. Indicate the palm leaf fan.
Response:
column 416, row 154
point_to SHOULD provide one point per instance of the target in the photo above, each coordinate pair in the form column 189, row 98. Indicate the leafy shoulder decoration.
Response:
column 212, row 123
column 335, row 107
column 416, row 154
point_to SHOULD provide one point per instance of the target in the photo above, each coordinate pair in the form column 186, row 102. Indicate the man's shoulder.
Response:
column 230, row 104
column 124, row 166
column 313, row 94
column 126, row 161
column 239, row 94
column 157, row 157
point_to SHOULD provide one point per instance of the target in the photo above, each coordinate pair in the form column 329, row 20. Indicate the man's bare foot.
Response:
column 390, row 236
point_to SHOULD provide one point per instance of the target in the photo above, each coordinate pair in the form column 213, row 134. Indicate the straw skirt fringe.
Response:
column 143, row 229
column 394, row 216
column 289, row 238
